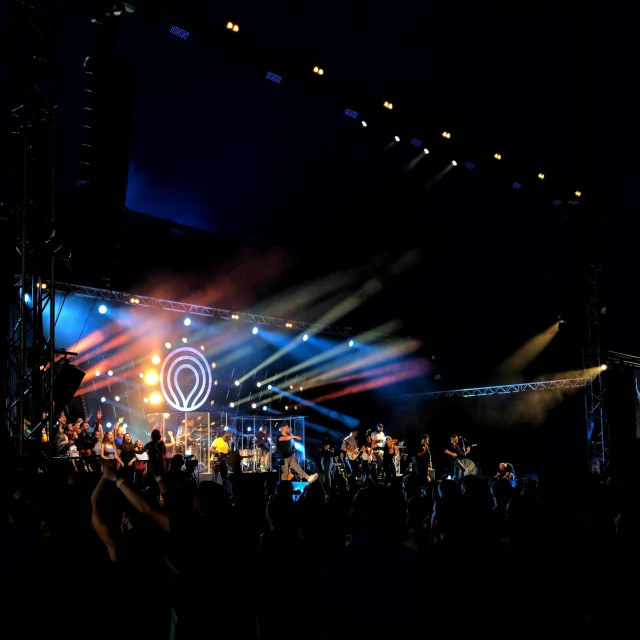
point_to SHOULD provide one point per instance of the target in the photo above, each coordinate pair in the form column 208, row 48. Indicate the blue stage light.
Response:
column 470, row 165
column 187, row 322
column 516, row 185
column 254, row 331
column 102, row 308
column 305, row 337
column 274, row 77
column 415, row 142
column 264, row 408
column 181, row 33
column 351, row 343
column 351, row 113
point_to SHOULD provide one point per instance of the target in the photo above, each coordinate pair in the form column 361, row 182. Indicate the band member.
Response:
column 424, row 461
column 378, row 440
column 263, row 443
column 170, row 443
column 389, row 453
column 365, row 456
column 286, row 450
column 220, row 450
column 351, row 450
column 456, row 453
column 327, row 453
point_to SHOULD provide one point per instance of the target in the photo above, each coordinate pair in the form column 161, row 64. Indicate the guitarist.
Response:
column 286, row 450
column 351, row 449
column 455, row 452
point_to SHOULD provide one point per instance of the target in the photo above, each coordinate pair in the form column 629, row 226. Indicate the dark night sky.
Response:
column 218, row 147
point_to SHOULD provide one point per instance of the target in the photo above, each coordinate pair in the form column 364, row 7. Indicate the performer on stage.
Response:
column 506, row 472
column 327, row 452
column 455, row 452
column 424, row 461
column 220, row 450
column 285, row 449
column 389, row 453
column 351, row 450
column 263, row 443
column 378, row 440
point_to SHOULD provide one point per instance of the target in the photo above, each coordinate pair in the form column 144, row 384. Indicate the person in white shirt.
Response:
column 351, row 450
column 378, row 440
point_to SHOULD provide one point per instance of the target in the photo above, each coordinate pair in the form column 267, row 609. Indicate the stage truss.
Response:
column 498, row 389
column 199, row 310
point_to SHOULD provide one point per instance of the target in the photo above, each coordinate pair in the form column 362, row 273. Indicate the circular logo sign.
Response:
column 185, row 379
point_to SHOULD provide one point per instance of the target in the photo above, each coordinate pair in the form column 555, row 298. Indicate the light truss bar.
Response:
column 497, row 390
column 198, row 310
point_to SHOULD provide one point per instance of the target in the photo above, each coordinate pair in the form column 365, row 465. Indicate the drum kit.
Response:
column 256, row 459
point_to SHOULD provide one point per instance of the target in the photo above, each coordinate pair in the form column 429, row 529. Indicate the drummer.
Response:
column 263, row 443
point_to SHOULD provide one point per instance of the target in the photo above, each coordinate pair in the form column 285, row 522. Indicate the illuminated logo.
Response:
column 195, row 372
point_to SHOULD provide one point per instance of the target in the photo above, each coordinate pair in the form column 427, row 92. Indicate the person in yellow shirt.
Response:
column 219, row 450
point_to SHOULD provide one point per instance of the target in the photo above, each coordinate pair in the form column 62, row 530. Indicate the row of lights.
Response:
column 386, row 104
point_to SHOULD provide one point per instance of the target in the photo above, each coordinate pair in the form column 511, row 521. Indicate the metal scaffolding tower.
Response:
column 30, row 199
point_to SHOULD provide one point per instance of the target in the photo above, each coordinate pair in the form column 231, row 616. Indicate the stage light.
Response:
column 254, row 331
column 289, row 325
column 301, row 388
column 232, row 404
column 237, row 383
column 146, row 400
column 166, row 415
column 269, row 387
column 364, row 124
column 397, row 139
column 108, row 425
column 184, row 340
column 497, row 156
column 305, row 337
column 155, row 360
column 351, row 113
column 258, row 384
column 388, row 105
column 233, row 27
column 151, row 378
column 215, row 382
column 253, row 406
column 454, row 163
column 318, row 70
column 103, row 399
column 286, row 407
column 426, row 151
column 226, row 428
column 446, row 134
column 541, row 176
column 470, row 165
column 201, row 347
column 134, row 300
column 97, row 373
column 44, row 284
column 235, row 316
column 101, row 309
column 578, row 193
column 415, row 142
column 290, row 386
column 264, row 408
column 187, row 322
column 117, row 398
column 109, row 373
column 181, row 33
column 604, row 367
column 516, row 185
column 155, row 398
column 274, row 77
column 213, row 365
column 167, row 345
column 27, row 298
column 141, row 375
column 351, row 343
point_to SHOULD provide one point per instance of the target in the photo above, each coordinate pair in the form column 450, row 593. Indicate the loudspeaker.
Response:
column 66, row 383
